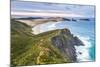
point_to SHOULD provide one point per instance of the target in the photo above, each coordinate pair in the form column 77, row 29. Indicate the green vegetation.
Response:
column 30, row 49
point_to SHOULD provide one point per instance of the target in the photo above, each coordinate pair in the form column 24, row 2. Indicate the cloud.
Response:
column 23, row 8
column 46, row 14
column 66, row 1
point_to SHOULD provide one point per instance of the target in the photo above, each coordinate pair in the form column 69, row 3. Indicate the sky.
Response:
column 32, row 9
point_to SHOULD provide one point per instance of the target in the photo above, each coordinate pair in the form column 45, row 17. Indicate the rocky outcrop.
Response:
column 65, row 42
column 84, row 19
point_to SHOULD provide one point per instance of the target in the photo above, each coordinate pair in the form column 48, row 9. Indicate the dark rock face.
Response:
column 65, row 42
column 85, row 19
column 66, row 19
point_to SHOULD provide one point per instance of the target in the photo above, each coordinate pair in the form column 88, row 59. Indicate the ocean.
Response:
column 84, row 30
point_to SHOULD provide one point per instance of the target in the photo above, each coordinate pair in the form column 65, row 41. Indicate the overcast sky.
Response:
column 29, row 9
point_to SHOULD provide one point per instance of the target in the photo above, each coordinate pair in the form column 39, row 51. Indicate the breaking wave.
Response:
column 82, row 52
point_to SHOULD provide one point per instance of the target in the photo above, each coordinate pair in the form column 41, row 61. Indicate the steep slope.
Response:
column 56, row 46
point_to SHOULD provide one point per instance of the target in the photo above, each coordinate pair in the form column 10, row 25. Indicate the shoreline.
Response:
column 83, row 49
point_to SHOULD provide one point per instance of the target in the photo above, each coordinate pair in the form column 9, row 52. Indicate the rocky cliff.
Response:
column 65, row 42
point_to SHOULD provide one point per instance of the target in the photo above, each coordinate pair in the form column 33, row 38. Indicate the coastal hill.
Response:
column 33, row 21
column 51, row 47
column 36, row 21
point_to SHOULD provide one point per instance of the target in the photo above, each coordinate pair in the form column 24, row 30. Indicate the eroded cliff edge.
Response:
column 66, row 42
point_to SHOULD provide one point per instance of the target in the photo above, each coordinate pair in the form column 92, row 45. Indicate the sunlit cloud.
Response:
column 38, row 10
column 22, row 8
column 46, row 14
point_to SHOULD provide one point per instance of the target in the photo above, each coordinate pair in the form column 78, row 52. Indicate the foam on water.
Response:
column 83, row 51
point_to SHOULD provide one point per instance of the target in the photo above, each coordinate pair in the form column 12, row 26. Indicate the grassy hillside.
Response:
column 29, row 49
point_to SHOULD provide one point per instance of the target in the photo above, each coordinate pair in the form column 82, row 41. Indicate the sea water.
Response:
column 85, row 30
